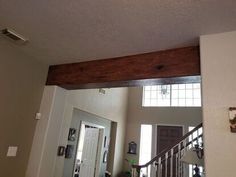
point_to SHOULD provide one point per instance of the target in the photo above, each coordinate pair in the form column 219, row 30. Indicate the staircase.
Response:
column 173, row 161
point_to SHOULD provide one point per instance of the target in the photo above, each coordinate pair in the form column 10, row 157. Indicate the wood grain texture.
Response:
column 127, row 71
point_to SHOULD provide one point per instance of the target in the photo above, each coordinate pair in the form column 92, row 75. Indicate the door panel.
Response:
column 166, row 137
column 89, row 154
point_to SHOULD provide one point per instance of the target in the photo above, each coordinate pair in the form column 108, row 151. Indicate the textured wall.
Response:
column 218, row 61
column 22, row 81
column 112, row 106
column 52, row 129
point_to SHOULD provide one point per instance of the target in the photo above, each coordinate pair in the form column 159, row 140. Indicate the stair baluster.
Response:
column 168, row 163
column 147, row 171
column 171, row 162
column 159, row 167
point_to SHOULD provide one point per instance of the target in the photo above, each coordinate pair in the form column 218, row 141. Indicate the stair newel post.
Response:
column 147, row 171
column 133, row 171
column 138, row 170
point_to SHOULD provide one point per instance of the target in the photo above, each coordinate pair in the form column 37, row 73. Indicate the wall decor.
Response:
column 61, row 150
column 72, row 134
column 232, row 119
column 69, row 151
column 132, row 148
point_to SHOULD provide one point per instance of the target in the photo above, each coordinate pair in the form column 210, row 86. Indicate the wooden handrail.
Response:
column 169, row 148
column 182, row 147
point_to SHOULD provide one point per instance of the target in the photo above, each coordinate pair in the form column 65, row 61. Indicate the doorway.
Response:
column 166, row 136
column 85, row 158
column 88, row 151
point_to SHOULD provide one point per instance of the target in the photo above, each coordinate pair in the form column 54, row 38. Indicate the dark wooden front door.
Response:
column 166, row 137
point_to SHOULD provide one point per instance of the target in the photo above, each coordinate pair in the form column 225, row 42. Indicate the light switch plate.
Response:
column 12, row 150
column 38, row 116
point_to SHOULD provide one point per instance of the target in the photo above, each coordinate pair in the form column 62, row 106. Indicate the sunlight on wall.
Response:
column 145, row 146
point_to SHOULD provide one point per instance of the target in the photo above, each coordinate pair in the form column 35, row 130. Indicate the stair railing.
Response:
column 168, row 163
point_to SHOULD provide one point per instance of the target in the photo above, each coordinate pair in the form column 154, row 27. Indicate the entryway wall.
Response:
column 78, row 117
column 218, row 61
column 137, row 115
column 52, row 129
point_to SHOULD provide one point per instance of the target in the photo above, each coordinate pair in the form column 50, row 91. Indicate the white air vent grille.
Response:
column 12, row 35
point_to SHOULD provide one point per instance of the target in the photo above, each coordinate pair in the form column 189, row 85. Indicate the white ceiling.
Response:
column 62, row 31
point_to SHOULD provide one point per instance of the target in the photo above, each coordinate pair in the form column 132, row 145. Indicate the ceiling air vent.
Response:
column 12, row 35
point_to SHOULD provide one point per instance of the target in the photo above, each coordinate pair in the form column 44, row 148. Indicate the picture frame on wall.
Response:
column 132, row 148
column 69, row 151
column 72, row 134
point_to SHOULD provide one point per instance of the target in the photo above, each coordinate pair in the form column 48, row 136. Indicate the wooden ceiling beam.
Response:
column 167, row 66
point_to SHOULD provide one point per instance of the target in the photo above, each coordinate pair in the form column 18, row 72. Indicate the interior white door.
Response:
column 89, row 152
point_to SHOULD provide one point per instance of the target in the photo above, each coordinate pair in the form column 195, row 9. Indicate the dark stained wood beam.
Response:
column 168, row 66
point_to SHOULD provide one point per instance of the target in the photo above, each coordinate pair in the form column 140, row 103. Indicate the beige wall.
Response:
column 138, row 115
column 218, row 62
column 112, row 106
column 54, row 125
column 22, row 81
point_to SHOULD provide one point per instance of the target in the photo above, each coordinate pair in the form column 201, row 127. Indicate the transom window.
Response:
column 175, row 95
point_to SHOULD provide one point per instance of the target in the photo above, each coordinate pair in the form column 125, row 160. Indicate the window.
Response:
column 145, row 147
column 175, row 95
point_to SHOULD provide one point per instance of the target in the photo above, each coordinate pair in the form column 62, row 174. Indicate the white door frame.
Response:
column 100, row 142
